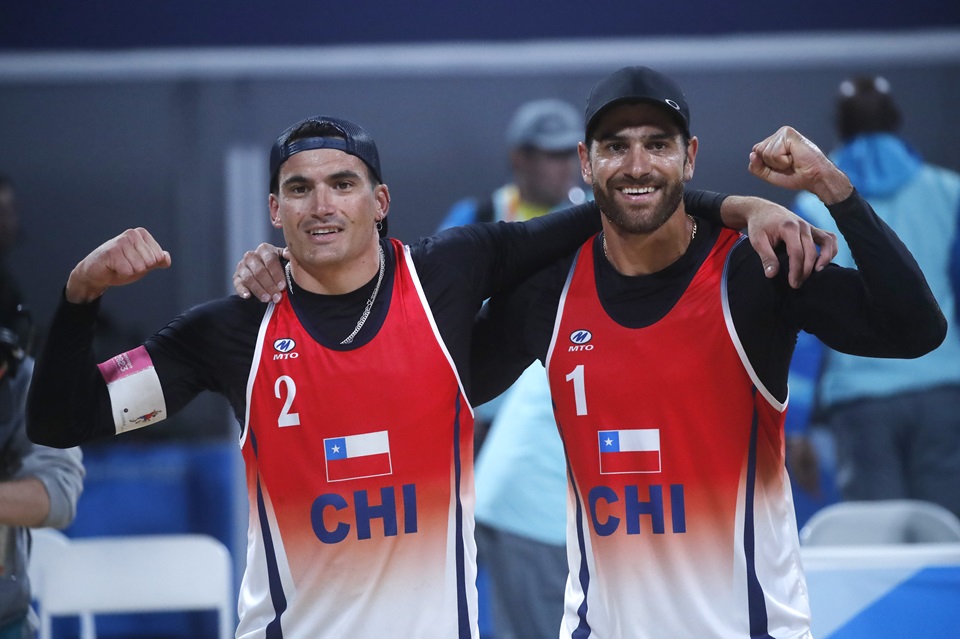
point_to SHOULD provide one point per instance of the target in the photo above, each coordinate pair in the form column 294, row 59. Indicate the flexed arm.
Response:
column 68, row 401
column 884, row 308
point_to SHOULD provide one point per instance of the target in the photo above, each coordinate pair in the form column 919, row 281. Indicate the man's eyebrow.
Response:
column 295, row 179
column 617, row 135
column 341, row 175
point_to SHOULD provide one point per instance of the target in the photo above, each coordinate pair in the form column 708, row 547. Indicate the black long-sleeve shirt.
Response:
column 884, row 308
column 211, row 346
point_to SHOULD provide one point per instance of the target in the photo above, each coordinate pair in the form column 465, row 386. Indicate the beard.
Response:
column 639, row 223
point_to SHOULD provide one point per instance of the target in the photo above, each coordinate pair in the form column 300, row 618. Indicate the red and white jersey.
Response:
column 361, row 515
column 680, row 515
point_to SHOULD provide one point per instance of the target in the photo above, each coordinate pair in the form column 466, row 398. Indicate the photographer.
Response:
column 39, row 486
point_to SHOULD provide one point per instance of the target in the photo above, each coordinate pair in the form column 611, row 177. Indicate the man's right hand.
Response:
column 117, row 262
column 260, row 273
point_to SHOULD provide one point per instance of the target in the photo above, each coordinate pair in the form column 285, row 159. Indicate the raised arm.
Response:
column 68, row 401
column 885, row 307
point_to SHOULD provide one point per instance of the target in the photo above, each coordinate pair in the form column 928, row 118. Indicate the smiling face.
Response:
column 328, row 206
column 637, row 164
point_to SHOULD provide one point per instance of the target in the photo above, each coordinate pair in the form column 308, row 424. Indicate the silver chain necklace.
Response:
column 693, row 234
column 366, row 309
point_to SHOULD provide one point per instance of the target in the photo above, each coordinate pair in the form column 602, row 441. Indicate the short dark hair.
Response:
column 865, row 105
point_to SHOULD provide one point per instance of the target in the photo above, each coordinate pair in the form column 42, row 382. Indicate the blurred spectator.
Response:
column 10, row 296
column 39, row 486
column 521, row 472
column 542, row 136
column 895, row 422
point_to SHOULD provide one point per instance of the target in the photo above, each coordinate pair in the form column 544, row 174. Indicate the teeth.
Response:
column 638, row 191
column 322, row 232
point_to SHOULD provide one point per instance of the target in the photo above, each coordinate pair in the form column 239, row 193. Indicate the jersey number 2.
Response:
column 286, row 418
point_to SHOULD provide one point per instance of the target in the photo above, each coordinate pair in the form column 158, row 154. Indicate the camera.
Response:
column 16, row 336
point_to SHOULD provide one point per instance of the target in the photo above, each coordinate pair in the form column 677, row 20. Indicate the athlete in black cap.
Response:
column 667, row 353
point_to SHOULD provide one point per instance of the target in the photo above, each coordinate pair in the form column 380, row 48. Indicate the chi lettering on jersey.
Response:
column 336, row 517
column 612, row 511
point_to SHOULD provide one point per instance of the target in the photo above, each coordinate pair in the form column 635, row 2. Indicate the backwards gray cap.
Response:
column 549, row 125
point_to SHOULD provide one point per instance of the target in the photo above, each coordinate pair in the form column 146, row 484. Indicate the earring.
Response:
column 380, row 224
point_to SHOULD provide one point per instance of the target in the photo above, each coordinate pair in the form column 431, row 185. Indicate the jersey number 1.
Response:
column 579, row 394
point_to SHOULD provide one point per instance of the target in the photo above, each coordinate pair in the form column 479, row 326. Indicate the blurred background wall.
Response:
column 176, row 140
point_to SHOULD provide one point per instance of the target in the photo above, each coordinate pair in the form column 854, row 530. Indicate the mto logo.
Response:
column 581, row 336
column 284, row 345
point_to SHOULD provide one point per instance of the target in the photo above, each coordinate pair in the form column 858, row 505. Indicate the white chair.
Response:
column 894, row 521
column 131, row 574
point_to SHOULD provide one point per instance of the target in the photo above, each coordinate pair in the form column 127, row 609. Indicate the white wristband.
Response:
column 136, row 397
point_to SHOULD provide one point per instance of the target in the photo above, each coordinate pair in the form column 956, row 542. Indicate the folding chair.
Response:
column 893, row 521
column 131, row 574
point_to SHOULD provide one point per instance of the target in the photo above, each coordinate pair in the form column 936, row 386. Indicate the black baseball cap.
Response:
column 354, row 141
column 636, row 84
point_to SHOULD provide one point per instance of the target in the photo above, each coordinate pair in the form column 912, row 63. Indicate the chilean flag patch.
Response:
column 629, row 451
column 357, row 456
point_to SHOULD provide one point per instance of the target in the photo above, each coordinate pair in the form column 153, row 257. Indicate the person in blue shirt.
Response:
column 521, row 482
column 895, row 422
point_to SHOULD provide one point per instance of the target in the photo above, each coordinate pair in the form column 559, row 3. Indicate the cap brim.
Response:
column 594, row 119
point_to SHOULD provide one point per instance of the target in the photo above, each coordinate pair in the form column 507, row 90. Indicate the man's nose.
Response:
column 637, row 161
column 323, row 201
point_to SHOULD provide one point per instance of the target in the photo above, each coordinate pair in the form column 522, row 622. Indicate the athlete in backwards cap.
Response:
column 351, row 390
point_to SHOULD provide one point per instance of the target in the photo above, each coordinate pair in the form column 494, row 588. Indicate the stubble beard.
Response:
column 640, row 223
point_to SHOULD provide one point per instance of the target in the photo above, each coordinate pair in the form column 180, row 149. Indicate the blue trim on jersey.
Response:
column 463, row 616
column 583, row 629
column 273, row 630
column 756, row 604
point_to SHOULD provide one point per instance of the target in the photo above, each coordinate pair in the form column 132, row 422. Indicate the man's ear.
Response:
column 586, row 171
column 691, row 159
column 382, row 195
column 274, row 204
